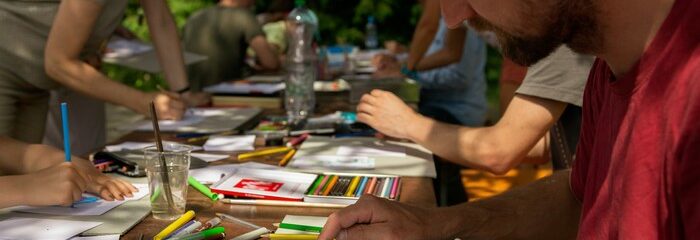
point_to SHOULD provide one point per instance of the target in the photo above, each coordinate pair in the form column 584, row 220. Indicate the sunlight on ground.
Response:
column 481, row 184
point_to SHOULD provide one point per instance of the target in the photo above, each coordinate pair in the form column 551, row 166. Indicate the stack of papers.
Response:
column 86, row 209
column 37, row 228
column 230, row 143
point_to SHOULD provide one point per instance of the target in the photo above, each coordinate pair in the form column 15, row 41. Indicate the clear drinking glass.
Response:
column 177, row 160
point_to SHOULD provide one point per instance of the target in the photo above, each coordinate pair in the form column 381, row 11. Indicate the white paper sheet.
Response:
column 212, row 174
column 101, row 237
column 333, row 162
column 230, row 143
column 188, row 119
column 312, row 221
column 210, row 157
column 37, row 228
column 86, row 209
column 141, row 146
column 376, row 151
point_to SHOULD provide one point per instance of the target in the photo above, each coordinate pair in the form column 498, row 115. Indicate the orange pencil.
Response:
column 330, row 185
column 287, row 157
column 370, row 187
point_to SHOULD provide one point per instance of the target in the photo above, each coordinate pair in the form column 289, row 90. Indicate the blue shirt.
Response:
column 456, row 93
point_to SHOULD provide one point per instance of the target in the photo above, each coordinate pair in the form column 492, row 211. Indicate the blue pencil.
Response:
column 66, row 134
column 361, row 188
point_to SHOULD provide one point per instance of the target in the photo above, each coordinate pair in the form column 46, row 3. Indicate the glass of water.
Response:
column 177, row 159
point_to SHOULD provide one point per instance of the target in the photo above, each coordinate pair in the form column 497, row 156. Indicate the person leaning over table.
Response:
column 454, row 93
column 636, row 174
column 550, row 95
column 37, row 175
column 55, row 45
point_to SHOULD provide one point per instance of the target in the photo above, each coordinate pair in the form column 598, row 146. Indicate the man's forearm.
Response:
column 545, row 209
column 166, row 41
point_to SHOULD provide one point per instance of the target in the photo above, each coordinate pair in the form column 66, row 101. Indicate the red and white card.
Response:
column 264, row 184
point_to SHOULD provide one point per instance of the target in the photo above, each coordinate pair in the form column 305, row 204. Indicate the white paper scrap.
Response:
column 210, row 157
column 37, row 228
column 230, row 143
column 376, row 151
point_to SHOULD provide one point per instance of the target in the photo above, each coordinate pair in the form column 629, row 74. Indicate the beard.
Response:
column 571, row 22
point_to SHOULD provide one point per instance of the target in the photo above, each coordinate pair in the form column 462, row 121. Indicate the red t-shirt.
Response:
column 637, row 169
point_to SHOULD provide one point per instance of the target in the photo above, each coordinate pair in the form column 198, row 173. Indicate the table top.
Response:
column 414, row 190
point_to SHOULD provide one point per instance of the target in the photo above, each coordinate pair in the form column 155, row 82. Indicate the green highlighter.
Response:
column 201, row 235
column 300, row 227
column 203, row 189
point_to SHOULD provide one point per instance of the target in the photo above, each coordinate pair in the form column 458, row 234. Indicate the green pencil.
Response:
column 315, row 185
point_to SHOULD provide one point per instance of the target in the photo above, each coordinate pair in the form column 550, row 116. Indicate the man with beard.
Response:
column 636, row 171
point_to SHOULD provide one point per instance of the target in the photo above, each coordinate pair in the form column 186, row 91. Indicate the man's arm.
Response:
column 425, row 32
column 264, row 52
column 450, row 53
column 167, row 43
column 545, row 209
column 497, row 148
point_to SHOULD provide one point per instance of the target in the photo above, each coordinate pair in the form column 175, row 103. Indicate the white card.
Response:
column 333, row 162
column 311, row 221
column 207, row 157
column 376, row 151
column 230, row 143
column 85, row 209
column 37, row 228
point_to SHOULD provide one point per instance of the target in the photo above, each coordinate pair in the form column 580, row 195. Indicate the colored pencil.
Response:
column 66, row 131
column 353, row 186
column 361, row 188
column 287, row 157
column 378, row 187
column 370, row 187
column 394, row 188
column 280, row 203
column 330, row 185
column 319, row 190
column 387, row 187
column 263, row 152
column 315, row 185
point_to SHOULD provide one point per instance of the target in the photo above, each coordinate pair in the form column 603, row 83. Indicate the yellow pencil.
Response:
column 287, row 157
column 263, row 152
column 330, row 185
column 353, row 186
column 274, row 236
column 175, row 225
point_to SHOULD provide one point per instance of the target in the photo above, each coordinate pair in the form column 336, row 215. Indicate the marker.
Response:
column 287, row 157
column 263, row 152
column 301, row 227
column 187, row 229
column 175, row 225
column 252, row 235
column 237, row 220
column 202, row 189
column 209, row 224
column 353, row 186
column 174, row 233
column 217, row 231
column 66, row 131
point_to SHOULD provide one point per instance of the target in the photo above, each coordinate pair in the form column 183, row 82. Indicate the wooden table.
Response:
column 414, row 190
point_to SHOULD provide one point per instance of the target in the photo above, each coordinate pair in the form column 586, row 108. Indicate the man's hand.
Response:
column 102, row 185
column 196, row 99
column 169, row 106
column 386, row 113
column 387, row 66
column 375, row 218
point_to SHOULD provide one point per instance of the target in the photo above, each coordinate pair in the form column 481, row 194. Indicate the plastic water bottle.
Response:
column 300, row 64
column 371, row 39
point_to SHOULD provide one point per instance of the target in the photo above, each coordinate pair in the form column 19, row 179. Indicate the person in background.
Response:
column 56, row 45
column 223, row 33
column 550, row 97
column 274, row 25
column 636, row 169
column 450, row 92
column 37, row 175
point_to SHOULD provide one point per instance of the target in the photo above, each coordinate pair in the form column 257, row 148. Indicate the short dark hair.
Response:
column 280, row 6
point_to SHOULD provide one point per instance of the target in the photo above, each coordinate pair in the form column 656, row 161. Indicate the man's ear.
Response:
column 455, row 12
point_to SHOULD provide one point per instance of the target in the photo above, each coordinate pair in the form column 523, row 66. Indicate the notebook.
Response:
column 264, row 184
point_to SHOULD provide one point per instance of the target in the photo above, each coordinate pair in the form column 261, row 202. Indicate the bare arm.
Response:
column 265, row 54
column 69, row 33
column 449, row 54
column 545, row 209
column 167, row 43
column 425, row 32
column 497, row 148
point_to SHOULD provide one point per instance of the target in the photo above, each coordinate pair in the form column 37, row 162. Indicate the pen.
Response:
column 298, row 140
column 287, row 157
column 263, row 152
column 209, row 224
column 174, row 225
column 202, row 189
column 86, row 200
